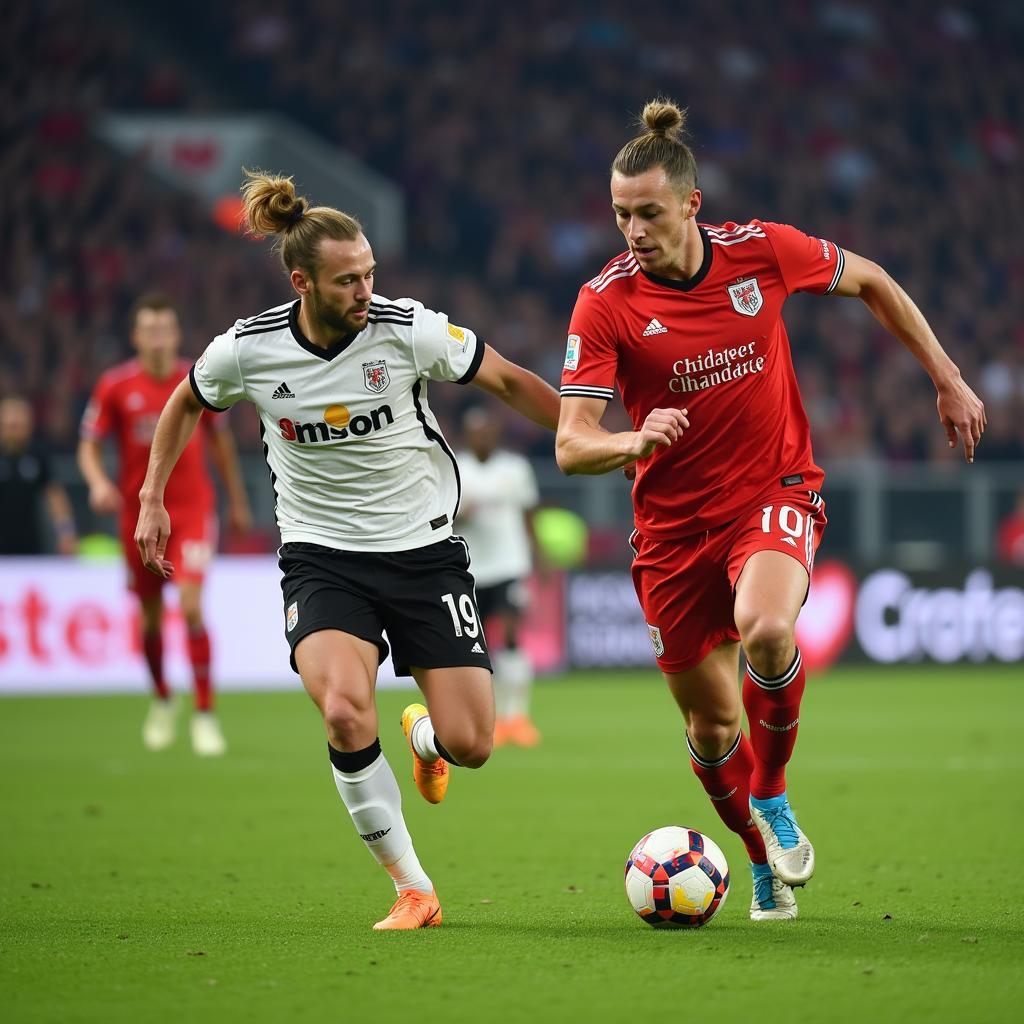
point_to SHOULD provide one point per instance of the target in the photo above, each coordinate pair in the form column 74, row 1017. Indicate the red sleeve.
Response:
column 101, row 415
column 591, row 355
column 807, row 264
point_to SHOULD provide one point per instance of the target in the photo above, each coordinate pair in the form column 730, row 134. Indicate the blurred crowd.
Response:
column 894, row 130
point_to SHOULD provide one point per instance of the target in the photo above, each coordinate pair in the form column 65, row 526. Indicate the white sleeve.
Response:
column 469, row 477
column 216, row 377
column 529, row 493
column 442, row 350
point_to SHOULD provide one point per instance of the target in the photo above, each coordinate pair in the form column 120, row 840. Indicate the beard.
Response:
column 331, row 317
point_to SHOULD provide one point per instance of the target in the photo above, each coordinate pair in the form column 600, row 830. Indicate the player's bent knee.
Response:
column 470, row 751
column 344, row 717
column 474, row 758
column 712, row 739
column 768, row 643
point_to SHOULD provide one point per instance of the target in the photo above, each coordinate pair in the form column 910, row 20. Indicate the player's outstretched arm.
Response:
column 960, row 410
column 582, row 445
column 225, row 459
column 104, row 497
column 518, row 388
column 173, row 430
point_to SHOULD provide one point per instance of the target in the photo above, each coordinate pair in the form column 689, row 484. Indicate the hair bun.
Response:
column 662, row 117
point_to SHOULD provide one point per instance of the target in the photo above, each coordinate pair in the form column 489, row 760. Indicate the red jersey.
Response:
column 714, row 345
column 126, row 404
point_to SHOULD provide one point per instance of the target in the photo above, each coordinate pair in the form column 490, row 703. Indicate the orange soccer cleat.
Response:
column 521, row 731
column 412, row 909
column 431, row 777
column 501, row 736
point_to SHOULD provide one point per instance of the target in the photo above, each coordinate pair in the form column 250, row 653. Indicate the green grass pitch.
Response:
column 157, row 887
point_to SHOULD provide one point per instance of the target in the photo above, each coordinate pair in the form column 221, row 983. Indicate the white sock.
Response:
column 374, row 800
column 513, row 682
column 422, row 738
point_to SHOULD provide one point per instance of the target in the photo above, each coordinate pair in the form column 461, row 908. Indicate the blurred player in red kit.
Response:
column 687, row 324
column 126, row 405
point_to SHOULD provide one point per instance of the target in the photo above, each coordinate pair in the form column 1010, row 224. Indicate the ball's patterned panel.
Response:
column 677, row 878
column 639, row 889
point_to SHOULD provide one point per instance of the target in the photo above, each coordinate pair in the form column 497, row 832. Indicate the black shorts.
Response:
column 422, row 598
column 509, row 596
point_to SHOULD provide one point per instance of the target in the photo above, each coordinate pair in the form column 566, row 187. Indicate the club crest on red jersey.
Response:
column 746, row 297
column 375, row 376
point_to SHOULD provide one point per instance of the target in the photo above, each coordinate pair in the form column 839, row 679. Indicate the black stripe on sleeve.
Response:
column 840, row 266
column 391, row 307
column 199, row 394
column 270, row 314
column 267, row 328
column 474, row 366
column 586, row 391
column 377, row 318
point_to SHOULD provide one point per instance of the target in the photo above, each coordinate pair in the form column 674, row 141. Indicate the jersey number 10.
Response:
column 790, row 520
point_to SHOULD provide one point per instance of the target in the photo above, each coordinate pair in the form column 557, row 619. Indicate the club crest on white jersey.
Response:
column 375, row 376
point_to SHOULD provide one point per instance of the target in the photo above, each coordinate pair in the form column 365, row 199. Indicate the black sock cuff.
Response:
column 703, row 762
column 777, row 682
column 348, row 761
column 444, row 753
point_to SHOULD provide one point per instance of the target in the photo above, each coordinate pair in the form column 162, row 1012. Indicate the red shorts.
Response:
column 686, row 585
column 190, row 548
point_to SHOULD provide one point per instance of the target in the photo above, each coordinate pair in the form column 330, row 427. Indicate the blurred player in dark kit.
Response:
column 28, row 487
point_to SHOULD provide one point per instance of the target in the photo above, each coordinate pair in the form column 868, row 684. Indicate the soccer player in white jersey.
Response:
column 367, row 490
column 499, row 494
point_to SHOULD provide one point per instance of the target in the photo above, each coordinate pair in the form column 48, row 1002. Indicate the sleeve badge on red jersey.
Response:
column 746, row 297
column 572, row 352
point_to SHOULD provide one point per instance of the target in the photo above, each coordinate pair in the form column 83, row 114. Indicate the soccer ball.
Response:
column 677, row 878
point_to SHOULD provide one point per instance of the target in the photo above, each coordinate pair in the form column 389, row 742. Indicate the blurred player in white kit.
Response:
column 499, row 494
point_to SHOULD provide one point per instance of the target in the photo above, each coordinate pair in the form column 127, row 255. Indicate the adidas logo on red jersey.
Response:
column 654, row 327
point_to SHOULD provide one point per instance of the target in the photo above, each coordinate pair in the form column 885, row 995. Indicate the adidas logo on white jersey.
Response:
column 282, row 391
column 654, row 327
column 476, row 648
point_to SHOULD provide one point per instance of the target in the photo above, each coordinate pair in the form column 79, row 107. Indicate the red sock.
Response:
column 153, row 650
column 773, row 714
column 727, row 782
column 199, row 655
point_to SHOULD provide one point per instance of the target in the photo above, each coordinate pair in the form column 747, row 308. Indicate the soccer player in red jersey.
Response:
column 687, row 324
column 126, row 405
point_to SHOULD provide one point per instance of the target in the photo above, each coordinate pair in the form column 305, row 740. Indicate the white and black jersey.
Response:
column 356, row 456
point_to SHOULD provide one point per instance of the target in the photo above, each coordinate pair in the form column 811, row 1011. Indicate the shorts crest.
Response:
column 659, row 646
